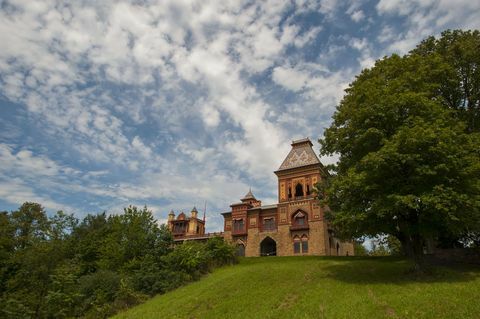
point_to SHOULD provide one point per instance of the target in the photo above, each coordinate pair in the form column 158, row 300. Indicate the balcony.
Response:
column 299, row 227
column 239, row 232
column 179, row 231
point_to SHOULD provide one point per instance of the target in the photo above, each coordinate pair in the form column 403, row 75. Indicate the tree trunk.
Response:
column 413, row 248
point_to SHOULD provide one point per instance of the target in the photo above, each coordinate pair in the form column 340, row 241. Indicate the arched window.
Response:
column 296, row 245
column 289, row 192
column 300, row 219
column 300, row 245
column 298, row 190
column 308, row 190
column 304, row 244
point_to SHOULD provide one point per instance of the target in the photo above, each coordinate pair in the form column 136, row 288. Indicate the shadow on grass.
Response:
column 384, row 270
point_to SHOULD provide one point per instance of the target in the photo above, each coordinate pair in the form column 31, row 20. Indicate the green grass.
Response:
column 321, row 287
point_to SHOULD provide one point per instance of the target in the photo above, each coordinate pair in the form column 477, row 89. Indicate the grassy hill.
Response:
column 320, row 287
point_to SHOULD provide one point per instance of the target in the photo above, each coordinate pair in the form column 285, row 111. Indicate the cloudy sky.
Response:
column 173, row 103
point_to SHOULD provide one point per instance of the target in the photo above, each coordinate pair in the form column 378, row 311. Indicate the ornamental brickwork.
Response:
column 296, row 224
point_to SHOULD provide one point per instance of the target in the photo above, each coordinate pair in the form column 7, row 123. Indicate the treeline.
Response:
column 60, row 267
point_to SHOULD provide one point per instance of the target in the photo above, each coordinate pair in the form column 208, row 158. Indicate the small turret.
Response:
column 171, row 215
column 248, row 196
column 194, row 212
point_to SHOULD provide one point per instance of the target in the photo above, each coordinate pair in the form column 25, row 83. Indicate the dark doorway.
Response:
column 268, row 247
column 241, row 250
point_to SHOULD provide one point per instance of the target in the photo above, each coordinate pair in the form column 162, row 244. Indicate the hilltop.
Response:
column 321, row 287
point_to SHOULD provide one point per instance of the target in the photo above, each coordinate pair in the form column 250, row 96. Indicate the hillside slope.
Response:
column 320, row 287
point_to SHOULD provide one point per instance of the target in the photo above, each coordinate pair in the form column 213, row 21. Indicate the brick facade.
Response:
column 296, row 224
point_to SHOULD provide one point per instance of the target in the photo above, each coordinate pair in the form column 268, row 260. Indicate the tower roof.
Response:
column 301, row 154
column 194, row 209
column 249, row 195
column 181, row 216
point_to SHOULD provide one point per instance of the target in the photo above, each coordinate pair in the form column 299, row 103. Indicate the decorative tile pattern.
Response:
column 301, row 155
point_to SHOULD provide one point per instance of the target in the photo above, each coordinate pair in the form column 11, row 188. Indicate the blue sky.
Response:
column 173, row 103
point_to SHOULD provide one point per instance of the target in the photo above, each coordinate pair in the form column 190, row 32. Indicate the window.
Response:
column 298, row 190
column 269, row 224
column 179, row 228
column 289, row 192
column 304, row 244
column 296, row 245
column 308, row 190
column 300, row 245
column 238, row 225
column 300, row 219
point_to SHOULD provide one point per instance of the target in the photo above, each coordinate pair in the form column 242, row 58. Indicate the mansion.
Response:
column 294, row 226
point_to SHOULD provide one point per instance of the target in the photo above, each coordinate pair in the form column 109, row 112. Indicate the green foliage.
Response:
column 459, row 53
column 359, row 249
column 58, row 267
column 385, row 246
column 409, row 160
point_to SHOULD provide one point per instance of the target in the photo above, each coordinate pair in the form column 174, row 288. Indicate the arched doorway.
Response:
column 240, row 250
column 268, row 247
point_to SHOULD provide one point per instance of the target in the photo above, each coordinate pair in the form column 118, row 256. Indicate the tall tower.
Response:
column 299, row 213
column 299, row 172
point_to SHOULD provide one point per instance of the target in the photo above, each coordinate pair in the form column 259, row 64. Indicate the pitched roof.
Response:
column 249, row 195
column 301, row 154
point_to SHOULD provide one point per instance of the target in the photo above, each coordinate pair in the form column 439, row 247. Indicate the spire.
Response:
column 249, row 195
column 204, row 211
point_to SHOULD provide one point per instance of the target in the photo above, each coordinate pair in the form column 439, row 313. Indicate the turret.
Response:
column 171, row 218
column 250, row 199
column 171, row 215
column 194, row 212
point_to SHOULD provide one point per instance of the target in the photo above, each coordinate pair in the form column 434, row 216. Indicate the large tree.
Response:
column 409, row 156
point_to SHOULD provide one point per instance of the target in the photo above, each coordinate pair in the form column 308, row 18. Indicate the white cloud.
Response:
column 170, row 99
column 426, row 17
column 357, row 16
column 307, row 37
column 289, row 78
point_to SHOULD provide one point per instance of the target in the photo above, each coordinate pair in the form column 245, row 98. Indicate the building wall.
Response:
column 300, row 169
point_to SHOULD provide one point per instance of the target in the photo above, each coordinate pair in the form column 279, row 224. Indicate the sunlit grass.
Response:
column 321, row 287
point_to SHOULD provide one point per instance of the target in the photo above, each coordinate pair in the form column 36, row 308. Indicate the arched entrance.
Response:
column 268, row 247
column 240, row 250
